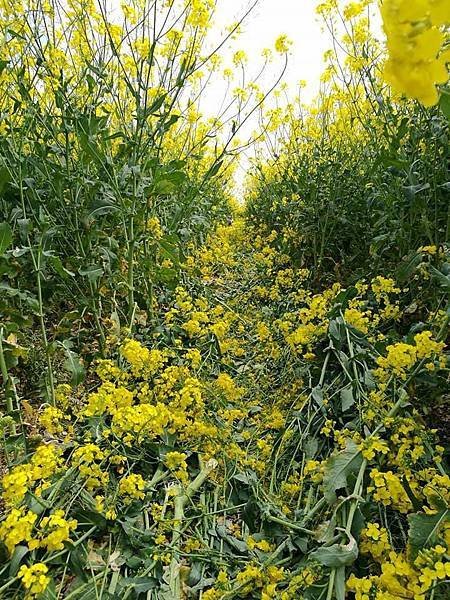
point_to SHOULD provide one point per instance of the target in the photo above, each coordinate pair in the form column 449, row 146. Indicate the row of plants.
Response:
column 359, row 179
column 209, row 401
column 266, row 442
column 109, row 172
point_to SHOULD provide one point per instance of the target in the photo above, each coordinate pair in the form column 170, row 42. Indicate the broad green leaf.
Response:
column 336, row 330
column 310, row 447
column 16, row 559
column 73, row 365
column 338, row 468
column 5, row 237
column 337, row 555
column 444, row 104
column 92, row 272
column 424, row 529
column 165, row 186
column 347, row 398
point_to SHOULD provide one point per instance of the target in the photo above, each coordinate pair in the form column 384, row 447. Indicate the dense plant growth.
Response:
column 208, row 400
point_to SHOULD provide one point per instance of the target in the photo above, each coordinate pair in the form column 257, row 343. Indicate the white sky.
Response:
column 269, row 19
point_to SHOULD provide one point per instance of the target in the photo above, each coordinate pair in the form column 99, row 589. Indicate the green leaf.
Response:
column 337, row 555
column 424, row 529
column 91, row 518
column 169, row 250
column 16, row 559
column 338, row 468
column 153, row 108
column 166, row 125
column 442, row 278
column 78, row 564
column 140, row 585
column 92, row 272
column 214, row 169
column 347, row 398
column 310, row 447
column 234, row 542
column 57, row 264
column 164, row 186
column 73, row 365
column 412, row 190
column 5, row 177
column 168, row 182
column 444, row 105
column 5, row 237
column 408, row 266
column 336, row 330
column 317, row 395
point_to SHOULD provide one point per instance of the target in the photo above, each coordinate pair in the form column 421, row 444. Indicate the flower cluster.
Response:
column 53, row 531
column 34, row 579
column 132, row 487
column 402, row 357
column 44, row 464
column 417, row 60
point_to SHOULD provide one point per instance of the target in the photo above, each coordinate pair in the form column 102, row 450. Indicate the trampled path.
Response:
column 259, row 441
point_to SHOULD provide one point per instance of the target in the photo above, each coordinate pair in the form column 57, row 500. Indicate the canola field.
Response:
column 205, row 398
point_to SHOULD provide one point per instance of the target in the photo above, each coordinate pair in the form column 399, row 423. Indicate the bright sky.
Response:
column 269, row 19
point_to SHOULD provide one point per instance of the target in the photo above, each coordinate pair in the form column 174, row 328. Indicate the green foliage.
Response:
column 350, row 210
column 213, row 411
column 337, row 470
column 424, row 529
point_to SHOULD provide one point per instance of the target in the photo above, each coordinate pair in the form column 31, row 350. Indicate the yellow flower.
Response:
column 34, row 579
column 415, row 65
column 282, row 44
column 132, row 487
column 17, row 527
column 53, row 532
column 52, row 419
column 359, row 320
column 143, row 362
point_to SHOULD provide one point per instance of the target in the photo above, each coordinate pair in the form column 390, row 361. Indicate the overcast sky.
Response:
column 268, row 20
column 271, row 18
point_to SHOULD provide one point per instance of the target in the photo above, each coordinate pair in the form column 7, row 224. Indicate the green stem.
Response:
column 97, row 318
column 180, row 500
column 51, row 382
column 6, row 377
column 356, row 492
column 331, row 584
column 293, row 526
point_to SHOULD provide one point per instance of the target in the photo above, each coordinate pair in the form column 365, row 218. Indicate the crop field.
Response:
column 223, row 332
